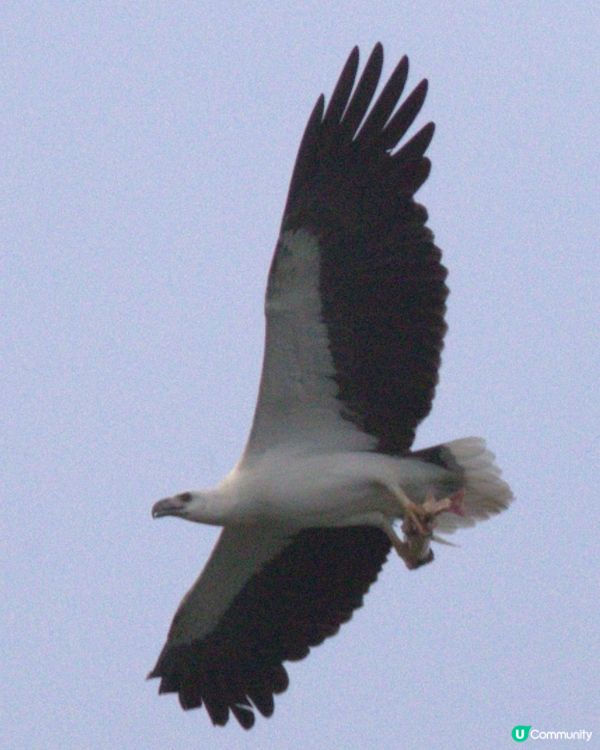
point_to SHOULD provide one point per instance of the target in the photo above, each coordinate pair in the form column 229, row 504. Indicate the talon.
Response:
column 418, row 525
column 451, row 504
column 416, row 519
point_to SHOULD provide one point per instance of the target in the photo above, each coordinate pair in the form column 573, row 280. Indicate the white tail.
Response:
column 486, row 494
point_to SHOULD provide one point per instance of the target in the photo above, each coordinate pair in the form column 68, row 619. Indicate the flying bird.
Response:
column 355, row 305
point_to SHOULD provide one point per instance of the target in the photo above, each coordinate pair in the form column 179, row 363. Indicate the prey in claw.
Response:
column 418, row 525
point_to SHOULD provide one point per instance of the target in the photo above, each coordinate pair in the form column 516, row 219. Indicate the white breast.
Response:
column 298, row 489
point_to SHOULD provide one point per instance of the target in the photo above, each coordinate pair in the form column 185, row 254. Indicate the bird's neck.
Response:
column 210, row 507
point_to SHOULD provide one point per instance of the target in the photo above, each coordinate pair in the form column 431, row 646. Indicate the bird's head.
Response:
column 178, row 505
column 201, row 507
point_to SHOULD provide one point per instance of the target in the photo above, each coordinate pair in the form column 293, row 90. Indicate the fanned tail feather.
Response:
column 486, row 493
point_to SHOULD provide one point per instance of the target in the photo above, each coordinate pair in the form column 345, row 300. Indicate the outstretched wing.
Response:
column 263, row 599
column 356, row 294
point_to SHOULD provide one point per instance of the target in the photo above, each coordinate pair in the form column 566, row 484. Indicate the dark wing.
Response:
column 294, row 601
column 351, row 222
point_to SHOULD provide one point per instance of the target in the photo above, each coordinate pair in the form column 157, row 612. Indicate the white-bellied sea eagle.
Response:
column 355, row 307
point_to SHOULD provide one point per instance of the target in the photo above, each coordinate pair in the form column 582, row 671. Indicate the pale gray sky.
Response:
column 147, row 149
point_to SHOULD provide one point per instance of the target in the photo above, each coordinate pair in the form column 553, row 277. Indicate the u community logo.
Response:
column 523, row 732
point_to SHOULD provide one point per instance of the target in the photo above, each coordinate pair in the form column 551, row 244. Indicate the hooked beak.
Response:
column 170, row 506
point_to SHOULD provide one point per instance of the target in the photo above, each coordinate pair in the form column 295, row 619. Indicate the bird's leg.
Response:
column 419, row 517
column 418, row 525
column 412, row 513
column 451, row 504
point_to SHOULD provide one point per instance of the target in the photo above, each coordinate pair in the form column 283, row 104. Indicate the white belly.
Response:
column 324, row 490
